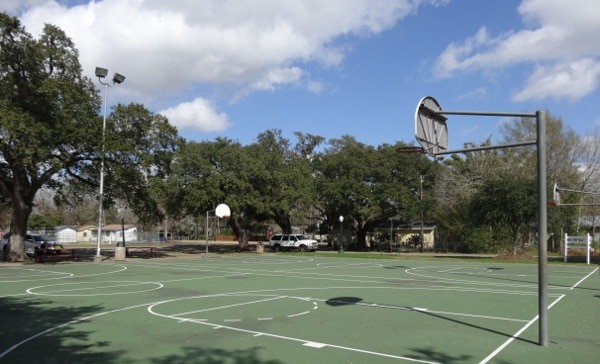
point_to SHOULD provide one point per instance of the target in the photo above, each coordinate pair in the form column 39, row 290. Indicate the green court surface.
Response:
column 287, row 308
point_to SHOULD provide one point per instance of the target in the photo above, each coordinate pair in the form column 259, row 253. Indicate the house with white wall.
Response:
column 65, row 234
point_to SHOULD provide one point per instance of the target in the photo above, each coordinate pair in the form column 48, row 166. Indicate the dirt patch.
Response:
column 524, row 256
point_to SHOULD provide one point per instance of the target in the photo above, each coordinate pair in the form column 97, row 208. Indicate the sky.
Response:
column 237, row 68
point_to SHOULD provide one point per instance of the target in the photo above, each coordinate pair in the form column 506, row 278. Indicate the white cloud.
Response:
column 478, row 93
column 167, row 48
column 16, row 6
column 565, row 80
column 197, row 115
column 562, row 34
column 315, row 87
column 277, row 77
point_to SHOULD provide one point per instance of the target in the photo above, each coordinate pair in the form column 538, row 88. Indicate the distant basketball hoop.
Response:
column 558, row 190
column 556, row 195
column 223, row 211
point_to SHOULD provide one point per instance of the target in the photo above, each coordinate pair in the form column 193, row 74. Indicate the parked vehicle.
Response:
column 34, row 244
column 292, row 242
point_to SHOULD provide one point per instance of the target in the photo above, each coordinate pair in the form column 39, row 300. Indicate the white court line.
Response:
column 298, row 314
column 230, row 306
column 69, row 323
column 449, row 270
column 583, row 279
column 518, row 333
column 426, row 310
column 106, row 285
column 311, row 343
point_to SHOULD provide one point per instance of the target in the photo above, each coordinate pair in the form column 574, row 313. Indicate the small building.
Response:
column 87, row 233
column 65, row 234
column 113, row 233
column 403, row 233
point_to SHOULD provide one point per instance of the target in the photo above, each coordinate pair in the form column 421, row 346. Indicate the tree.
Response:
column 563, row 154
column 588, row 160
column 49, row 128
column 47, row 116
column 366, row 184
column 506, row 199
column 209, row 173
column 282, row 175
column 459, row 179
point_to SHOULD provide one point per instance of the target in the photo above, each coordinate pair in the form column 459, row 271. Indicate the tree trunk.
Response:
column 18, row 231
column 361, row 239
column 515, row 248
column 235, row 222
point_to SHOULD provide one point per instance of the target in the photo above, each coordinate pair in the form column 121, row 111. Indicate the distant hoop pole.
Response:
column 222, row 211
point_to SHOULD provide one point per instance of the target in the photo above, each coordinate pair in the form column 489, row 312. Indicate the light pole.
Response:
column 341, row 237
column 117, row 79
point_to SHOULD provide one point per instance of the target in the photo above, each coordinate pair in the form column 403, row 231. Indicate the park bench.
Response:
column 140, row 251
column 64, row 254
column 578, row 243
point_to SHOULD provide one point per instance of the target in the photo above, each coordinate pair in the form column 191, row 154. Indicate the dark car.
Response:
column 34, row 244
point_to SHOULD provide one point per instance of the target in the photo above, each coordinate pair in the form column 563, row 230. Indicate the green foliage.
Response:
column 366, row 184
column 479, row 239
column 45, row 103
column 39, row 222
column 50, row 131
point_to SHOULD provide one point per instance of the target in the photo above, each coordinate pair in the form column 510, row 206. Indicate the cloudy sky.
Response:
column 237, row 68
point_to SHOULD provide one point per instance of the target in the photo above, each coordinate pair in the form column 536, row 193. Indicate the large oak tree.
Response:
column 51, row 131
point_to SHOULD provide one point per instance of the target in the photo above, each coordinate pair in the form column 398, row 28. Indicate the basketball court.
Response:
column 287, row 308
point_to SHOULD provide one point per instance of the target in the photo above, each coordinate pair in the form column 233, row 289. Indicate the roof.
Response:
column 116, row 227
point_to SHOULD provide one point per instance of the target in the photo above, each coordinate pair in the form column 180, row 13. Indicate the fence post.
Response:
column 588, row 248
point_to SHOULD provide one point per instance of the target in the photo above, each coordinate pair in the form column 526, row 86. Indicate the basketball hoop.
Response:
column 223, row 211
column 411, row 150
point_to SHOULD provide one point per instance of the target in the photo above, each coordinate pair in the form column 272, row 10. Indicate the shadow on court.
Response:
column 346, row 301
column 25, row 318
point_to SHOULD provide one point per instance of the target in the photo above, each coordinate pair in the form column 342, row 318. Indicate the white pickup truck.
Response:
column 292, row 242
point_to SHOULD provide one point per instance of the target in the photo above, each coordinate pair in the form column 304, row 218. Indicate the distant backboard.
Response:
column 431, row 130
column 223, row 211
column 556, row 195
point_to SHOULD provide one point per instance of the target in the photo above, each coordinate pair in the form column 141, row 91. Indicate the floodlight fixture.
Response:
column 118, row 78
column 101, row 72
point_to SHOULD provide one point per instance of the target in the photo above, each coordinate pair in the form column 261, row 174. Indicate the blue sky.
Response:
column 337, row 67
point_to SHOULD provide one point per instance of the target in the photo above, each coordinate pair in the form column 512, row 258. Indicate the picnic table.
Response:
column 140, row 251
column 63, row 254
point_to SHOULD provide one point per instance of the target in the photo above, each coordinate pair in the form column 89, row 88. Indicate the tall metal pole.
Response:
column 207, row 212
column 422, row 237
column 542, row 229
column 341, row 237
column 101, row 193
